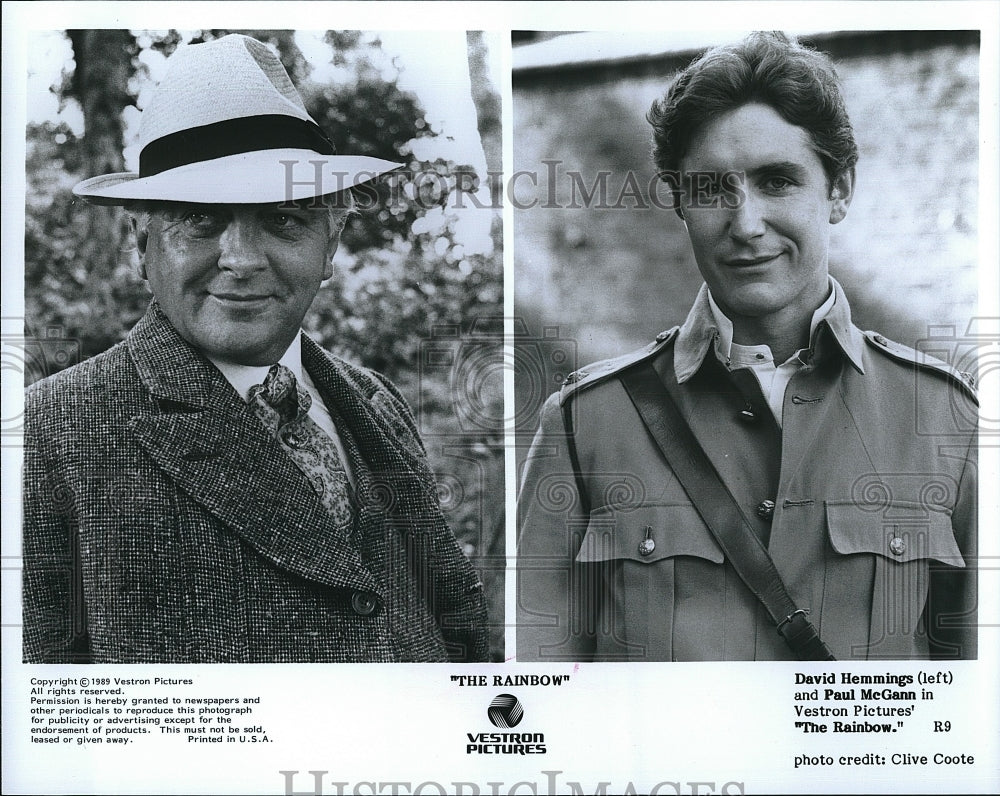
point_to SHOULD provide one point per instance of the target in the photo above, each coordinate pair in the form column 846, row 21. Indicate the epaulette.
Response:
column 593, row 374
column 909, row 356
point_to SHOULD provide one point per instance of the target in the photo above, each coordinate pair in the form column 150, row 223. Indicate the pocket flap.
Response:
column 854, row 529
column 673, row 530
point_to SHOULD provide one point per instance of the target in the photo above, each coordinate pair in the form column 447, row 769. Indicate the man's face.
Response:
column 764, row 257
column 236, row 280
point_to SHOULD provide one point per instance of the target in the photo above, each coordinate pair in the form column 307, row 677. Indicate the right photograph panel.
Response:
column 746, row 345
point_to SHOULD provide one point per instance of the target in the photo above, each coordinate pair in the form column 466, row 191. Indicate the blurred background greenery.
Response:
column 418, row 289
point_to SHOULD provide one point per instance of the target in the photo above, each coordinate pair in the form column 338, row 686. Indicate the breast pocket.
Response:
column 880, row 573
column 654, row 571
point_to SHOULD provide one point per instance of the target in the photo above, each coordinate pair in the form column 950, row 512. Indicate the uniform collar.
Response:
column 707, row 325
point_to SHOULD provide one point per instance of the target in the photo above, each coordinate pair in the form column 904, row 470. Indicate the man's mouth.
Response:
column 239, row 299
column 750, row 262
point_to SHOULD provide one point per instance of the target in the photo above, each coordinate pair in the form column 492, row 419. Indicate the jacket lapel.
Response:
column 396, row 489
column 390, row 447
column 205, row 439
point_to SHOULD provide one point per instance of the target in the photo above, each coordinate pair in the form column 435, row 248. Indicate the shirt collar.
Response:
column 707, row 324
column 243, row 377
column 724, row 338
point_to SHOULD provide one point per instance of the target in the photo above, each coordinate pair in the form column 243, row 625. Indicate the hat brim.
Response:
column 262, row 177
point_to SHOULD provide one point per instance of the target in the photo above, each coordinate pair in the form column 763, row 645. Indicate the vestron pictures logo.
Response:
column 505, row 711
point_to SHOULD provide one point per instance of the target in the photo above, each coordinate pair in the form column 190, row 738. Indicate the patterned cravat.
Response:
column 283, row 406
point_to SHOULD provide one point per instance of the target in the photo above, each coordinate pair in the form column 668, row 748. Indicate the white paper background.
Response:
column 370, row 725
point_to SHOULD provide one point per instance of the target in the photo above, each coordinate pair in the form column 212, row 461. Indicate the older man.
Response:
column 217, row 487
column 783, row 470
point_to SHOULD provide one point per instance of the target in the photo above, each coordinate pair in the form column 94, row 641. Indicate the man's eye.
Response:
column 777, row 184
column 198, row 219
column 285, row 221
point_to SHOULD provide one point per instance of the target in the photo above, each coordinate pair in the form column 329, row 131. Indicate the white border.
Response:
column 644, row 723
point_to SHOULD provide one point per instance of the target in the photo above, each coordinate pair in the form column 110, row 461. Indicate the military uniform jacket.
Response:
column 872, row 476
column 163, row 523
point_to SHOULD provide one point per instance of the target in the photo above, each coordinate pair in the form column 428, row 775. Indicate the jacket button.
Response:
column 293, row 440
column 647, row 545
column 364, row 603
column 746, row 415
column 897, row 546
column 765, row 510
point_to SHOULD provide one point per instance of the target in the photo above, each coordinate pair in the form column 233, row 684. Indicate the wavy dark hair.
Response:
column 767, row 67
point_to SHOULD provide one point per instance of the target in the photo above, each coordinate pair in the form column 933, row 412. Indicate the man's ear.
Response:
column 841, row 193
column 141, row 240
column 331, row 249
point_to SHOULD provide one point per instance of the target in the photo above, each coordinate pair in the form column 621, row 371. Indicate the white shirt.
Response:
column 243, row 377
column 773, row 378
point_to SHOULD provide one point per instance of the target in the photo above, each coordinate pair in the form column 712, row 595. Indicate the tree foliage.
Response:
column 78, row 273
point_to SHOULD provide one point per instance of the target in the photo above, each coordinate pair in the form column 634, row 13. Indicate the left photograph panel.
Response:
column 263, row 348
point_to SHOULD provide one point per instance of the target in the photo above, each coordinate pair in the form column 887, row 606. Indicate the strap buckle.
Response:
column 790, row 617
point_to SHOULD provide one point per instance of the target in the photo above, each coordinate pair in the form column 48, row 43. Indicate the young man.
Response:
column 785, row 476
column 218, row 488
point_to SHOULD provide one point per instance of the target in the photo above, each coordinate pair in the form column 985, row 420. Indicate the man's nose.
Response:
column 747, row 220
column 240, row 246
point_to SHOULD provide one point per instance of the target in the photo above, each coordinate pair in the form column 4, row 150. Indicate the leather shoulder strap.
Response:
column 719, row 509
column 580, row 380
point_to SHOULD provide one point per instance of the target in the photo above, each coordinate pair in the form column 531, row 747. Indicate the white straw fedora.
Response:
column 226, row 125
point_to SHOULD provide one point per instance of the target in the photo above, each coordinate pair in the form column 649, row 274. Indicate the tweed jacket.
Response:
column 872, row 474
column 163, row 523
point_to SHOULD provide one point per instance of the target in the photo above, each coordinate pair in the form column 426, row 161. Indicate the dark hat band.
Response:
column 231, row 137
